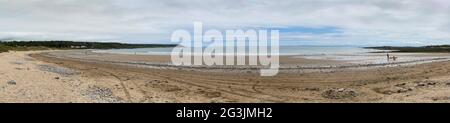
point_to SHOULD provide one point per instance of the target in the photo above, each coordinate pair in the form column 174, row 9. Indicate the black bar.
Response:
column 168, row 111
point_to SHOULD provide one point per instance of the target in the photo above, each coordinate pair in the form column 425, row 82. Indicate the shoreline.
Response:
column 288, row 63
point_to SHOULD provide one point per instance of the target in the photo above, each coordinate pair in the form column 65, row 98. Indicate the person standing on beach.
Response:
column 388, row 57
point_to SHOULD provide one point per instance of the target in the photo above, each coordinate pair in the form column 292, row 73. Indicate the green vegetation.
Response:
column 45, row 45
column 424, row 49
column 4, row 48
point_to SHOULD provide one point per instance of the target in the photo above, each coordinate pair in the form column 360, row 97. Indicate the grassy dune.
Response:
column 46, row 45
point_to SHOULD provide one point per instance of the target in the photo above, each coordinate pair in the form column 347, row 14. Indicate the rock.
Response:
column 421, row 84
column 11, row 82
column 425, row 84
column 410, row 89
column 440, row 98
column 448, row 83
column 403, row 90
column 312, row 89
column 401, row 84
column 56, row 77
column 339, row 93
column 360, row 84
column 158, row 81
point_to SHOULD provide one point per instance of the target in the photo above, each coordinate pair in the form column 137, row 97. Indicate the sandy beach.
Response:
column 81, row 76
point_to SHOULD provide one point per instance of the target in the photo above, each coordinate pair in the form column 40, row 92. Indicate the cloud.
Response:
column 152, row 21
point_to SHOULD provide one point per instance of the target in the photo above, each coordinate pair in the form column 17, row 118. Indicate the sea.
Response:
column 283, row 50
column 351, row 54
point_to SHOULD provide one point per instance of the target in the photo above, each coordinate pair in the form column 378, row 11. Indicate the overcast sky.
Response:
column 371, row 22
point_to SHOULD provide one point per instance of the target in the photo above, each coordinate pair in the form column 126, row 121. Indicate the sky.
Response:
column 302, row 22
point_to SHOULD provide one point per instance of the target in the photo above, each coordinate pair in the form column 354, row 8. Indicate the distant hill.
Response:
column 40, row 45
column 424, row 49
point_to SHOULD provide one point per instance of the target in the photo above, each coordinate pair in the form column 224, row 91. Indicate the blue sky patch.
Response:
column 315, row 30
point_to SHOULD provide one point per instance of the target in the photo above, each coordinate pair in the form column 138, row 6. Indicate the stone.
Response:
column 402, row 90
column 426, row 83
column 401, row 84
column 421, row 84
column 12, row 82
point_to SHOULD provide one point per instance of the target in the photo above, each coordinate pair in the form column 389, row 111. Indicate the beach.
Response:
column 76, row 76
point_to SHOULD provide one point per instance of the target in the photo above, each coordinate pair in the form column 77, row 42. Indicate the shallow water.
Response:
column 350, row 54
